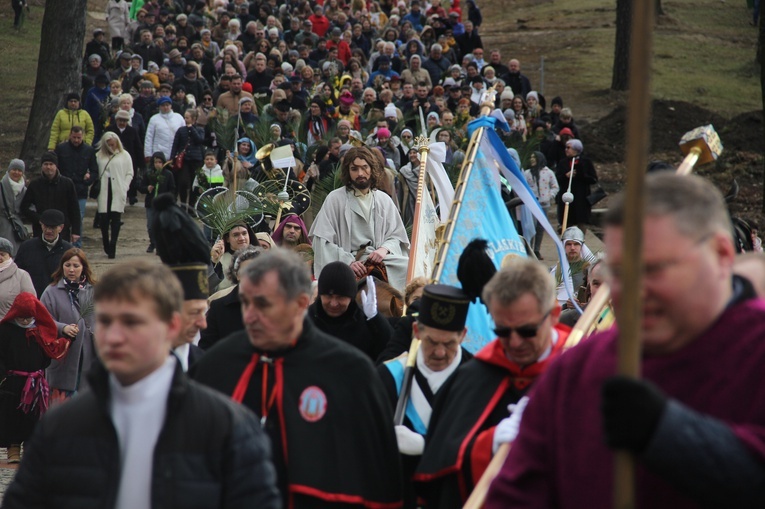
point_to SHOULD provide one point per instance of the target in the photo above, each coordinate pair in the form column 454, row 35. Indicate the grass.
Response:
column 703, row 51
column 18, row 69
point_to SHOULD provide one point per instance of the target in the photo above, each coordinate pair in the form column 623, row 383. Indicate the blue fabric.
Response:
column 396, row 369
column 483, row 215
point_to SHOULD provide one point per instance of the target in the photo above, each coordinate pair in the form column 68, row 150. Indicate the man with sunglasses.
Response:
column 694, row 423
column 470, row 416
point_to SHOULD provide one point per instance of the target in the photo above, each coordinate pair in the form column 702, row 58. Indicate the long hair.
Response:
column 103, row 146
column 371, row 159
column 68, row 255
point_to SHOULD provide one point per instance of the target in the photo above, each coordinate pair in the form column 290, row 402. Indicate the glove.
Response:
column 409, row 442
column 369, row 299
column 631, row 411
column 507, row 429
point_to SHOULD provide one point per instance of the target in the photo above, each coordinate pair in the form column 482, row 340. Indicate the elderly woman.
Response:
column 69, row 299
column 115, row 171
column 29, row 341
column 225, row 314
column 13, row 280
column 13, row 187
column 579, row 170
column 416, row 74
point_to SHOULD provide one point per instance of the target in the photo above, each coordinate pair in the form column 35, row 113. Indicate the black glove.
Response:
column 631, row 411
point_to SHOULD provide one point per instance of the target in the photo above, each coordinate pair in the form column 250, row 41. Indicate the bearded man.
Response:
column 359, row 223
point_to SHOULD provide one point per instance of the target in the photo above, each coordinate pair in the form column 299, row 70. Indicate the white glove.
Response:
column 409, row 442
column 369, row 299
column 507, row 429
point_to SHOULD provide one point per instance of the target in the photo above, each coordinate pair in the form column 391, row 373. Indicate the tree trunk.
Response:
column 58, row 73
column 620, row 75
column 760, row 43
column 657, row 9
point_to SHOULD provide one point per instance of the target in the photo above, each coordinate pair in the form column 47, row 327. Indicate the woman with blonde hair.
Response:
column 115, row 172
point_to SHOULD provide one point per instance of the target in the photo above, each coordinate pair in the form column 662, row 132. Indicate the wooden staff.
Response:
column 630, row 310
column 568, row 197
column 421, row 145
column 406, row 385
column 478, row 496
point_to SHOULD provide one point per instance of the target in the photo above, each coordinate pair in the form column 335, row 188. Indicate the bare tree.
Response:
column 58, row 72
column 620, row 74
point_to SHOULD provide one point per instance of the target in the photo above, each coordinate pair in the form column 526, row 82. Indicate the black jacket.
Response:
column 192, row 140
column 34, row 257
column 329, row 419
column 210, row 453
column 56, row 193
column 150, row 178
column 369, row 336
column 75, row 162
column 223, row 319
column 132, row 141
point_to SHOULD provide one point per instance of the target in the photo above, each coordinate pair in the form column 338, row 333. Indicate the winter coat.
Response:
column 13, row 281
column 131, row 142
column 40, row 262
column 192, row 141
column 120, row 169
column 64, row 374
column 64, row 121
column 118, row 17
column 548, row 185
column 579, row 210
column 74, row 163
column 14, row 204
column 56, row 193
column 210, row 452
column 160, row 133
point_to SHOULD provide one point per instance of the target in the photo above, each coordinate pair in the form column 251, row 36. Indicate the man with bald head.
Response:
column 518, row 82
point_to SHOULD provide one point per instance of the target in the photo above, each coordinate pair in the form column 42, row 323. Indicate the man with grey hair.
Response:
column 319, row 400
column 436, row 64
column 694, row 425
column 470, row 417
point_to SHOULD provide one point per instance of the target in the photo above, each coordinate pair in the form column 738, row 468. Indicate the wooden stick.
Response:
column 478, row 496
column 630, row 310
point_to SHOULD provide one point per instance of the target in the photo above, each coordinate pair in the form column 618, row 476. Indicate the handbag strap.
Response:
column 5, row 204
column 100, row 175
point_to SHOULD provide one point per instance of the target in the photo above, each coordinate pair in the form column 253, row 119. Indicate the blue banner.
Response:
column 482, row 215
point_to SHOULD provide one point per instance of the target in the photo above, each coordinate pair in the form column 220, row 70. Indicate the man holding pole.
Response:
column 696, row 424
column 440, row 328
column 470, row 417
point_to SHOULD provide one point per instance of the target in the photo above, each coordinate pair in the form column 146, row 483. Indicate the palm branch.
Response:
column 322, row 187
column 223, row 124
column 227, row 209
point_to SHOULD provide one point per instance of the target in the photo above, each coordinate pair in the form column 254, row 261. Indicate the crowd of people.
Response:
column 265, row 364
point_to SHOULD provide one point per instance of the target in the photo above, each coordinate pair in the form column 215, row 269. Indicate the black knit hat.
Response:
column 337, row 278
column 49, row 157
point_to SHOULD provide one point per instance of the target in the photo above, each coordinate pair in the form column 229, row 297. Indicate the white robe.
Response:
column 332, row 233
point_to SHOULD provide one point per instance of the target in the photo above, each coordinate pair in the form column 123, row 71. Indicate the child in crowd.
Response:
column 159, row 179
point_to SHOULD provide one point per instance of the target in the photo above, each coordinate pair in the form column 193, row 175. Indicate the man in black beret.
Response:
column 440, row 328
column 41, row 255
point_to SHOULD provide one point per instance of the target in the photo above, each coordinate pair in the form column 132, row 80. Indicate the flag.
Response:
column 495, row 151
column 423, row 256
column 441, row 182
column 481, row 214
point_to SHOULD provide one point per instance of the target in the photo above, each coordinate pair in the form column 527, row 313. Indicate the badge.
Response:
column 313, row 404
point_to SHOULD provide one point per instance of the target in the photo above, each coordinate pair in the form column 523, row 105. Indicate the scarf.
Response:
column 7, row 263
column 16, row 187
column 73, row 289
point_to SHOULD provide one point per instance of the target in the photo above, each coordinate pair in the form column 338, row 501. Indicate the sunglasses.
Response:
column 524, row 331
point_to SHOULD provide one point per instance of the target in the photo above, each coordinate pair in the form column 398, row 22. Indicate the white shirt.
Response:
column 138, row 412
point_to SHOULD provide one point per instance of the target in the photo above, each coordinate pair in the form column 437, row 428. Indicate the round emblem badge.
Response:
column 313, row 404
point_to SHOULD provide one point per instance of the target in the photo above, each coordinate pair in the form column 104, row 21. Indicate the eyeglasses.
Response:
column 524, row 331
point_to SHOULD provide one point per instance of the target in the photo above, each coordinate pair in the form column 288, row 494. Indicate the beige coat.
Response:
column 120, row 168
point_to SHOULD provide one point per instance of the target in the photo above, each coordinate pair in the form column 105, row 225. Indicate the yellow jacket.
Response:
column 63, row 123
